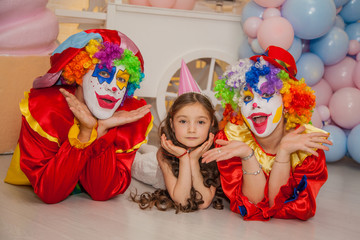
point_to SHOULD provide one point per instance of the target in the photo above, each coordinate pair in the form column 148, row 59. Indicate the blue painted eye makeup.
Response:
column 103, row 74
column 267, row 97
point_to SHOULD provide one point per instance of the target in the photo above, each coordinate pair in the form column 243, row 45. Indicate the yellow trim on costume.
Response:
column 242, row 133
column 24, row 108
column 14, row 174
column 137, row 146
column 74, row 133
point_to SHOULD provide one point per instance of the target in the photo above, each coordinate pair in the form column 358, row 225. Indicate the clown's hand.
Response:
column 296, row 140
column 81, row 112
column 228, row 149
column 121, row 118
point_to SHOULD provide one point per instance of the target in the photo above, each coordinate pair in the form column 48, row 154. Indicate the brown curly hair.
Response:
column 210, row 173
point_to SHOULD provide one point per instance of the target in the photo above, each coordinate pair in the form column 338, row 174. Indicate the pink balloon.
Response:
column 344, row 107
column 269, row 3
column 184, row 4
column 324, row 112
column 356, row 74
column 316, row 119
column 162, row 3
column 251, row 26
column 140, row 2
column 323, row 92
column 275, row 31
column 271, row 12
column 354, row 47
column 340, row 75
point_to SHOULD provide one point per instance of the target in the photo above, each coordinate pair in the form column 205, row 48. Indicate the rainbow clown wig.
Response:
column 279, row 68
column 82, row 51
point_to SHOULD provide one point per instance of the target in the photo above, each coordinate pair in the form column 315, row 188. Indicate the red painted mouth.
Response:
column 259, row 121
column 106, row 101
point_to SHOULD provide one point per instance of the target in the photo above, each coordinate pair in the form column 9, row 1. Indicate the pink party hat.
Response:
column 187, row 82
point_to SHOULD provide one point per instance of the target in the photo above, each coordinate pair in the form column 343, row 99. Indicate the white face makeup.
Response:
column 104, row 90
column 262, row 113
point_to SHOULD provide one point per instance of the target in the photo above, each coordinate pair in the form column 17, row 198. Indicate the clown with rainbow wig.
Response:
column 270, row 157
column 81, row 125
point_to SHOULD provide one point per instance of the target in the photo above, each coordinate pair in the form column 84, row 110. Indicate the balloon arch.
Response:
column 324, row 38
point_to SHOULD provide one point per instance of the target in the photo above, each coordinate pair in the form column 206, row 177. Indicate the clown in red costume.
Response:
column 271, row 160
column 81, row 125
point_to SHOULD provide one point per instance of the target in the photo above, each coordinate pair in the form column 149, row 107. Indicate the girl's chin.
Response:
column 193, row 145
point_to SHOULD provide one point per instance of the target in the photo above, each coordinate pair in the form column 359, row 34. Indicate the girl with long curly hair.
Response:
column 186, row 133
column 275, row 162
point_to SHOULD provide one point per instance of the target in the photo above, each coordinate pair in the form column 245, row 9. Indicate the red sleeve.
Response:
column 231, row 182
column 297, row 199
column 53, row 171
column 107, row 173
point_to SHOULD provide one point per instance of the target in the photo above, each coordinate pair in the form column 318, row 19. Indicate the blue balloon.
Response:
column 310, row 67
column 332, row 47
column 296, row 48
column 338, row 150
column 353, row 31
column 339, row 3
column 353, row 143
column 245, row 50
column 339, row 22
column 251, row 9
column 310, row 19
column 350, row 12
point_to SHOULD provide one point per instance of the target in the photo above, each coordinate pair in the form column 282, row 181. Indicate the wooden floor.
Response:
column 24, row 216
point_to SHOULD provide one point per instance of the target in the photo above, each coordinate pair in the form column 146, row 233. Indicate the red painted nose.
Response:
column 114, row 89
column 254, row 105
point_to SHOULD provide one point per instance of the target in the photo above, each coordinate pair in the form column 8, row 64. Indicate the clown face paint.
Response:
column 104, row 90
column 262, row 113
